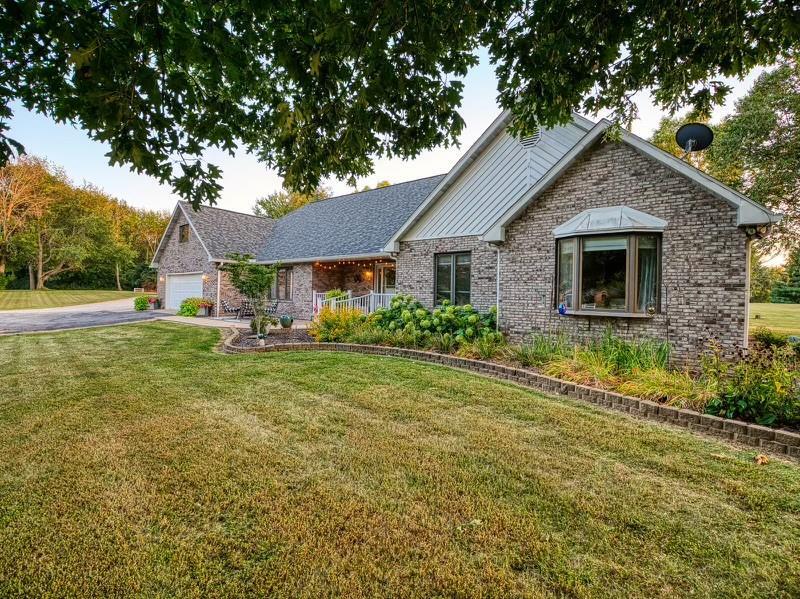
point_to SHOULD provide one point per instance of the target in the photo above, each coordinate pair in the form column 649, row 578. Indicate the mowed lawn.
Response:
column 137, row 461
column 23, row 298
column 783, row 318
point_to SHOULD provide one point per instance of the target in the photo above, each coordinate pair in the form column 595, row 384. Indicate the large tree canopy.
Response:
column 756, row 149
column 319, row 89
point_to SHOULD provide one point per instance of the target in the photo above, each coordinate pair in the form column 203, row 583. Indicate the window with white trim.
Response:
column 452, row 278
column 617, row 273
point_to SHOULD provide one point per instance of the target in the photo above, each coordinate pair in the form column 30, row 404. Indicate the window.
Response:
column 453, row 278
column 612, row 273
column 183, row 233
column 282, row 285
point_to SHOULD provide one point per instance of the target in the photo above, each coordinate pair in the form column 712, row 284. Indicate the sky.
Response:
column 245, row 179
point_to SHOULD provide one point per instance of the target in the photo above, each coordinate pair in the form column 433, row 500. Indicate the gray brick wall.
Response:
column 704, row 257
column 415, row 268
column 185, row 257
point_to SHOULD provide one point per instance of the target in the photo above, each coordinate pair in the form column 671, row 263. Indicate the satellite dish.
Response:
column 693, row 137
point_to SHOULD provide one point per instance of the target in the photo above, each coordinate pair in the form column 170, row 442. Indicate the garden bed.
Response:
column 782, row 442
column 276, row 336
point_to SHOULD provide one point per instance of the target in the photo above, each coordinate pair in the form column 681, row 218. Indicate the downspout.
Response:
column 219, row 287
column 497, row 289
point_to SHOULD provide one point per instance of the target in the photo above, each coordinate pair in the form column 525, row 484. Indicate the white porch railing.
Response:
column 366, row 303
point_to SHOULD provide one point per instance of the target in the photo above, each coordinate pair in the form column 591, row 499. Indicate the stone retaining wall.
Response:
column 782, row 443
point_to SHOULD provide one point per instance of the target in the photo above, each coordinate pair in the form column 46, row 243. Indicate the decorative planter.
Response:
column 286, row 321
column 204, row 310
column 155, row 304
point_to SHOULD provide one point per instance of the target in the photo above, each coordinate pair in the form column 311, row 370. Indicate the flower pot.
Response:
column 155, row 305
column 286, row 321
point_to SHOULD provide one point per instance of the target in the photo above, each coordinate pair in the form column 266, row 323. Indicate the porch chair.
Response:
column 246, row 309
column 272, row 309
column 227, row 308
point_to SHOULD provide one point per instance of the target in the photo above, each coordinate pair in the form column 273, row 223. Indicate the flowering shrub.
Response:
column 191, row 305
column 762, row 385
column 336, row 325
column 463, row 323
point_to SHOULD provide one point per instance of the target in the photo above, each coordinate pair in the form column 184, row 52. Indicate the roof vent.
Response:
column 531, row 140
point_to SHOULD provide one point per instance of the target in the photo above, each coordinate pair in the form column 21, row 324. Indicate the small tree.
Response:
column 788, row 292
column 253, row 281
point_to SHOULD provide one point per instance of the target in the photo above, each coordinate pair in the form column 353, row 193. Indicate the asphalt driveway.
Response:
column 70, row 317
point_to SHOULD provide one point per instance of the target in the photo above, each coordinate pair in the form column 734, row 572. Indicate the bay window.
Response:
column 452, row 278
column 617, row 273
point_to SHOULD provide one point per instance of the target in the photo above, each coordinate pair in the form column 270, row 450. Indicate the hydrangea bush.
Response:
column 463, row 323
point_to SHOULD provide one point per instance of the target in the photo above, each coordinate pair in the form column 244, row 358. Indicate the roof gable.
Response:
column 490, row 176
column 748, row 211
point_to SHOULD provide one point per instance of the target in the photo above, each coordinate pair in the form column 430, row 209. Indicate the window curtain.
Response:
column 648, row 275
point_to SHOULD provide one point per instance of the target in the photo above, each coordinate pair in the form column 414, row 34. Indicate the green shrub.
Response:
column 336, row 326
column 336, row 294
column 367, row 333
column 762, row 386
column 541, row 349
column 405, row 313
column 141, row 303
column 190, row 306
column 768, row 337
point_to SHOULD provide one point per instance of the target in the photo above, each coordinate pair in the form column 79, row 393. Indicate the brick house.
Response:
column 561, row 231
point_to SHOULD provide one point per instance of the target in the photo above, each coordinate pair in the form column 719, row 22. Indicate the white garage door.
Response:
column 179, row 287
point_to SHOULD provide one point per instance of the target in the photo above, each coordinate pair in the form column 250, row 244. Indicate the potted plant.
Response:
column 154, row 302
column 286, row 321
column 204, row 307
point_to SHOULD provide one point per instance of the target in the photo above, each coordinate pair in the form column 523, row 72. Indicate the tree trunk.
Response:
column 40, row 265
column 2, row 266
column 31, row 277
column 116, row 273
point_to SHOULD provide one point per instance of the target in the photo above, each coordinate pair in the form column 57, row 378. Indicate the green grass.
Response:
column 783, row 318
column 22, row 299
column 137, row 461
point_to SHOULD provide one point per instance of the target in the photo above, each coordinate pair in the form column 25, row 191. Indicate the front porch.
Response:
column 369, row 284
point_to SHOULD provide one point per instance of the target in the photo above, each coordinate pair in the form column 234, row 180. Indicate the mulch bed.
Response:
column 275, row 337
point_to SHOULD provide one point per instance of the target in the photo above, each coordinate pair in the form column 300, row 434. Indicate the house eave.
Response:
column 306, row 260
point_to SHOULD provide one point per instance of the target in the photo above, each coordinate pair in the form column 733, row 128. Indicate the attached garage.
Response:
column 181, row 286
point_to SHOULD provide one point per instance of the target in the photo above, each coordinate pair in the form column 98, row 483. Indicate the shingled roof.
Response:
column 224, row 232
column 357, row 224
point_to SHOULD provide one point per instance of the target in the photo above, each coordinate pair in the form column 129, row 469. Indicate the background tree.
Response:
column 763, row 279
column 378, row 185
column 788, row 291
column 23, row 193
column 71, row 236
column 321, row 89
column 281, row 203
column 756, row 149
